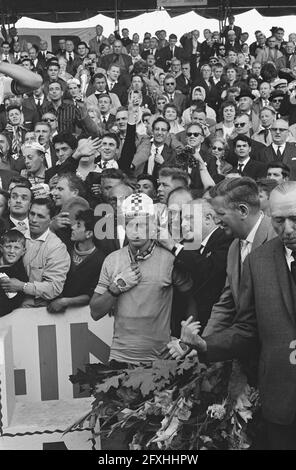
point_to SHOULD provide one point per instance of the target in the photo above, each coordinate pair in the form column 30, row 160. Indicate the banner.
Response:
column 184, row 3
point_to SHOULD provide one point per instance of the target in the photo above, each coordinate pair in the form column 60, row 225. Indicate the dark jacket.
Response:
column 208, row 272
column 83, row 279
column 16, row 271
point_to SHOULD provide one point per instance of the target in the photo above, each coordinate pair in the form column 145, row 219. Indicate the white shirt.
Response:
column 289, row 257
column 41, row 99
column 246, row 245
column 48, row 158
column 280, row 147
column 151, row 161
column 111, row 84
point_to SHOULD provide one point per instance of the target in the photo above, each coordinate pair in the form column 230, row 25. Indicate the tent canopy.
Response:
column 74, row 10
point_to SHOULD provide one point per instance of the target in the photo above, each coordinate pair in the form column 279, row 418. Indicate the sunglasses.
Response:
column 275, row 100
column 48, row 119
column 278, row 129
column 218, row 148
column 239, row 124
column 193, row 134
column 170, row 83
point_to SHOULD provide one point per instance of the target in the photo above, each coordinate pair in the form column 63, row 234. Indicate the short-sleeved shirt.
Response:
column 142, row 316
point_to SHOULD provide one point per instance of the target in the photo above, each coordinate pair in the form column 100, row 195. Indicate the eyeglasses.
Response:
column 218, row 148
column 278, row 129
column 239, row 124
column 170, row 83
column 48, row 119
column 275, row 100
column 193, row 134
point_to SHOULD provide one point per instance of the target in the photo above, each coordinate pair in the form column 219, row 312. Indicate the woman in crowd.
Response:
column 226, row 127
column 138, row 84
column 170, row 113
column 218, row 147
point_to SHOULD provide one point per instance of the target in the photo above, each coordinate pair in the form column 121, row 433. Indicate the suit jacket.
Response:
column 236, row 29
column 254, row 169
column 108, row 59
column 257, row 152
column 288, row 157
column 267, row 309
column 94, row 45
column 147, row 52
column 121, row 91
column 208, row 271
column 30, row 105
column 164, row 57
column 6, row 176
column 168, row 154
column 236, row 46
column 182, row 86
column 30, row 117
column 284, row 62
column 109, row 124
column 179, row 100
column 224, row 310
column 187, row 45
column 268, row 55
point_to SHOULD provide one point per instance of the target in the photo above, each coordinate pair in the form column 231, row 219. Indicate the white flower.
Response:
column 217, row 411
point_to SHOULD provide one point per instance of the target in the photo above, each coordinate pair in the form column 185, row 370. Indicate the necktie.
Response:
column 278, row 154
column 240, row 168
column 111, row 85
column 38, row 104
column 104, row 121
column 104, row 165
column 293, row 266
column 265, row 132
column 70, row 58
column 171, row 98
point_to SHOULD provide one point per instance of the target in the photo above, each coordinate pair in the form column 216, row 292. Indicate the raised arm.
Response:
column 24, row 79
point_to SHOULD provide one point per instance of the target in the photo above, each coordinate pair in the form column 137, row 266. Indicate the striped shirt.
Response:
column 68, row 116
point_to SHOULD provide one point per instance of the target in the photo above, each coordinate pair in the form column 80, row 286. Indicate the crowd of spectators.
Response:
column 116, row 132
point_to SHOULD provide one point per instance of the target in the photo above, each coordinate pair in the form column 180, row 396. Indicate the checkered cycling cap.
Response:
column 137, row 204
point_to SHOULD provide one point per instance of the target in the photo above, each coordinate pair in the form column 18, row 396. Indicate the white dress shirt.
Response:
column 151, row 161
column 246, row 245
column 241, row 168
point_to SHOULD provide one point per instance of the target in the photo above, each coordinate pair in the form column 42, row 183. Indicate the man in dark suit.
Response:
column 190, row 43
column 232, row 42
column 124, row 61
column 158, row 153
column 206, row 265
column 105, row 105
column 71, row 57
column 98, row 40
column 34, row 103
column 243, row 126
column 281, row 150
column 5, row 178
column 183, row 81
column 166, row 54
column 173, row 95
column 237, row 206
column 246, row 166
column 231, row 27
column 267, row 312
column 116, row 83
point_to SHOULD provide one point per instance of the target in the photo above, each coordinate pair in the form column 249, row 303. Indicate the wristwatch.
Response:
column 113, row 293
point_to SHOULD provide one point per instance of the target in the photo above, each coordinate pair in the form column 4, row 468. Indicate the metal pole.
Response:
column 116, row 19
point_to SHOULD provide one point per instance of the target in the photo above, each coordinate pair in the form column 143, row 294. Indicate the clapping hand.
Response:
column 87, row 147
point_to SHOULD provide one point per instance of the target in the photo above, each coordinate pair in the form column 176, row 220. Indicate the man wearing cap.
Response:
column 136, row 282
column 34, row 155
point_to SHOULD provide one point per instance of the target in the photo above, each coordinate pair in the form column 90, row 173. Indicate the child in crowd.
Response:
column 12, row 250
